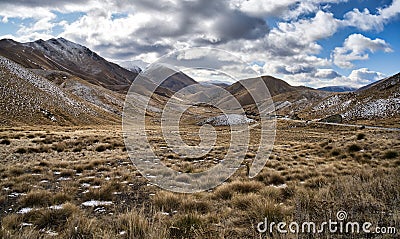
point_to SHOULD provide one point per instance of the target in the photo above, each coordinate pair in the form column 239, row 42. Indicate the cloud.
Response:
column 287, row 9
column 296, row 69
column 356, row 47
column 44, row 24
column 326, row 74
column 364, row 76
column 328, row 77
column 264, row 8
column 366, row 21
column 293, row 38
column 143, row 30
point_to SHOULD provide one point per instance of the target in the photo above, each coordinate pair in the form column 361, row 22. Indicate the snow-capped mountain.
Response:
column 63, row 55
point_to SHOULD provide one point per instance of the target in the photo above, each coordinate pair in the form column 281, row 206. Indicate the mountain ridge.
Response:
column 89, row 89
column 61, row 54
column 337, row 89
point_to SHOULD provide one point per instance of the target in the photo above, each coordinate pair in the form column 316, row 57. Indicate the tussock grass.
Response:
column 185, row 226
column 271, row 177
column 391, row 154
column 134, row 224
column 354, row 148
column 360, row 136
column 321, row 176
column 104, row 193
column 167, row 201
column 36, row 198
column 5, row 141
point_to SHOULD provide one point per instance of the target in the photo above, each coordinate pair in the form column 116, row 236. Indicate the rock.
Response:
column 338, row 119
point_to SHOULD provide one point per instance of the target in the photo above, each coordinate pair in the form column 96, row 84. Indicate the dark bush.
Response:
column 20, row 151
column 360, row 136
column 391, row 154
column 101, row 148
column 5, row 141
column 354, row 148
column 335, row 152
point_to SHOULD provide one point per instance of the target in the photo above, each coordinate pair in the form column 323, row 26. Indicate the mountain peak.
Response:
column 60, row 54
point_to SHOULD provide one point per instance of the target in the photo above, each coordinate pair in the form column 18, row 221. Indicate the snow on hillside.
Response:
column 374, row 108
column 64, row 50
column 40, row 83
column 24, row 96
column 96, row 96
column 360, row 105
column 228, row 120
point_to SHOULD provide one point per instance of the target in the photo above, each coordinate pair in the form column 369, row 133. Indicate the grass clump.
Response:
column 36, row 198
column 166, row 201
column 5, row 142
column 335, row 152
column 354, row 148
column 134, row 224
column 185, row 226
column 360, row 136
column 60, row 147
column 103, row 147
column 51, row 218
column 21, row 151
column 391, row 154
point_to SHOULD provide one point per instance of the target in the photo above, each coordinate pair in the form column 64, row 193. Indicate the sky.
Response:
column 312, row 42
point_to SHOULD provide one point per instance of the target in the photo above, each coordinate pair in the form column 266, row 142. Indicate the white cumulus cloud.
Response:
column 356, row 47
column 364, row 76
column 364, row 20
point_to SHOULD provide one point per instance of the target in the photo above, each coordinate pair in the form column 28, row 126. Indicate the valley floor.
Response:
column 60, row 182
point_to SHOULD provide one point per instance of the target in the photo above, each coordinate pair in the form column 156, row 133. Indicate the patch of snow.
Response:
column 24, row 224
column 280, row 186
column 95, row 203
column 64, row 179
column 25, row 210
column 37, row 81
column 56, row 207
column 375, row 108
column 228, row 120
column 281, row 105
column 100, row 210
column 15, row 195
column 51, row 233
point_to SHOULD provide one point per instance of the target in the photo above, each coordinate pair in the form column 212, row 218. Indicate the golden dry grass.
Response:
column 312, row 173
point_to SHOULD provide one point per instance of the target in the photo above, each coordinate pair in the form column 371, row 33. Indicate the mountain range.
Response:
column 63, row 83
column 337, row 89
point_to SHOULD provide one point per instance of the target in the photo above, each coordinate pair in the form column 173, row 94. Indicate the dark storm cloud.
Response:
column 227, row 24
column 236, row 25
